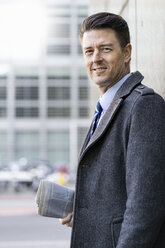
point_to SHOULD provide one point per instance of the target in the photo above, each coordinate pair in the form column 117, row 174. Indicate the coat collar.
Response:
column 122, row 93
column 129, row 85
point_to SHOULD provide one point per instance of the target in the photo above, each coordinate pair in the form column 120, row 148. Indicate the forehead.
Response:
column 98, row 37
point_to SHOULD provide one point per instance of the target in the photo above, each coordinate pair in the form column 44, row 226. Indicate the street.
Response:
column 21, row 227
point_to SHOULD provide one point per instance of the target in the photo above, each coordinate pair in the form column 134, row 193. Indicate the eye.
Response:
column 88, row 52
column 106, row 49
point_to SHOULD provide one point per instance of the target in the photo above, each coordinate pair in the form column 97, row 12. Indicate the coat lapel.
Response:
column 132, row 82
column 106, row 119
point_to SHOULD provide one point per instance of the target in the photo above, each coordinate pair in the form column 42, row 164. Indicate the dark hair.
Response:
column 105, row 20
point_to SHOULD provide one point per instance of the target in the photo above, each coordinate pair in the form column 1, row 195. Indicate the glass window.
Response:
column 80, row 49
column 3, row 138
column 26, row 71
column 83, row 93
column 3, row 112
column 58, row 73
column 58, row 147
column 3, row 93
column 59, row 30
column 3, row 148
column 58, row 49
column 26, row 93
column 58, row 112
column 58, row 93
column 26, row 80
column 82, row 11
column 82, row 132
column 58, row 10
column 27, row 144
column 78, row 29
column 27, row 138
column 28, row 112
column 3, row 78
column 26, row 74
column 83, row 112
column 82, row 74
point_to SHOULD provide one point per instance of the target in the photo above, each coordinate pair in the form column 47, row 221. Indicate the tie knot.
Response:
column 99, row 109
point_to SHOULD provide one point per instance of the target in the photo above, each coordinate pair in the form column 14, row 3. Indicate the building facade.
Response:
column 44, row 103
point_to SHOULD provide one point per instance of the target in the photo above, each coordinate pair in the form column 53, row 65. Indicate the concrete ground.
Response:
column 22, row 227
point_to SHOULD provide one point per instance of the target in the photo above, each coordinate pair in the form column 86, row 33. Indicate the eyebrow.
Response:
column 108, row 44
column 102, row 45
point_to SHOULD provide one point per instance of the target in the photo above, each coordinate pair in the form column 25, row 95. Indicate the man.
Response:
column 120, row 189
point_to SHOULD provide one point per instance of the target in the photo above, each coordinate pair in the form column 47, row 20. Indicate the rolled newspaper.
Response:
column 54, row 200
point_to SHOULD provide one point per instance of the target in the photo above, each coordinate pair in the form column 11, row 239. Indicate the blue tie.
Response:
column 97, row 115
column 96, row 119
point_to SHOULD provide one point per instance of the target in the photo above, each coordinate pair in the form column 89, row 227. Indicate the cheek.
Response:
column 87, row 65
column 117, row 63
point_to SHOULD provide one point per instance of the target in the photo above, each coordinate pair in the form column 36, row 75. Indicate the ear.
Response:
column 127, row 52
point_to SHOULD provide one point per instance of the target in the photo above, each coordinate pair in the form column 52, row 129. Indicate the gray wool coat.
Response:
column 120, row 189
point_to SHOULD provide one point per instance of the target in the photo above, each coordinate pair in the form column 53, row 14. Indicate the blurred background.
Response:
column 44, row 90
column 47, row 101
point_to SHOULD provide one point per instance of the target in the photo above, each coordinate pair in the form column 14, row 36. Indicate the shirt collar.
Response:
column 106, row 99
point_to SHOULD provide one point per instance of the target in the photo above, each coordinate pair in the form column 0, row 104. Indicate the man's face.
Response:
column 105, row 60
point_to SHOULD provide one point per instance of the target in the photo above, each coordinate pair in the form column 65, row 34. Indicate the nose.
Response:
column 97, row 56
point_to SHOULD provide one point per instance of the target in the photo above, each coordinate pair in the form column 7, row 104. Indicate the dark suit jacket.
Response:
column 120, row 190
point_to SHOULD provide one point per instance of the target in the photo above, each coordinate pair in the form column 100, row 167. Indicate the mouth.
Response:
column 99, row 69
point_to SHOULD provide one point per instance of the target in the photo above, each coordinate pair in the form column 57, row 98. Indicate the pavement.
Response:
column 12, row 204
column 35, row 244
column 22, row 227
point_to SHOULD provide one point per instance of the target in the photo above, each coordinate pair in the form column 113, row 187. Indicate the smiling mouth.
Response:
column 99, row 69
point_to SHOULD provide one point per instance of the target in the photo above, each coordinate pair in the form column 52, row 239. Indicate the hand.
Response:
column 67, row 220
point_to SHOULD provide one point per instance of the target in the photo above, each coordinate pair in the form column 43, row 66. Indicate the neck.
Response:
column 107, row 85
